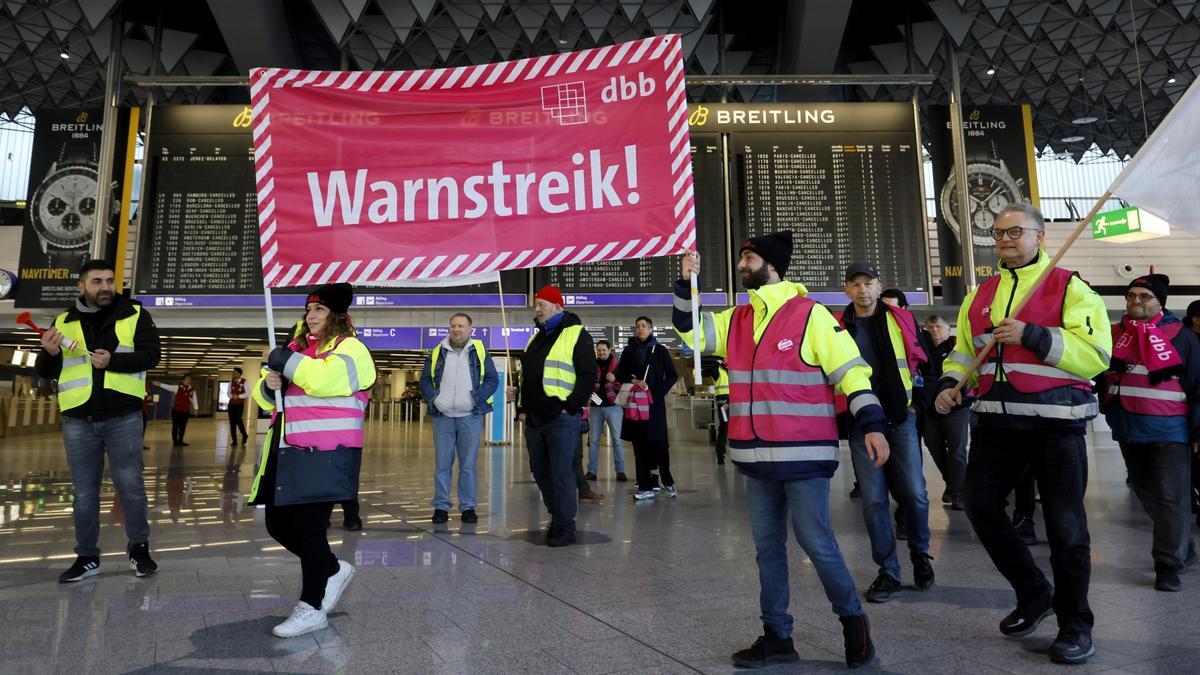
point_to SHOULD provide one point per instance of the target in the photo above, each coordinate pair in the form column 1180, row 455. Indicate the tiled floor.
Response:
column 659, row 587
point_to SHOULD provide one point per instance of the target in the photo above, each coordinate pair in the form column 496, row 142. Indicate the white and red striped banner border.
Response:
column 667, row 48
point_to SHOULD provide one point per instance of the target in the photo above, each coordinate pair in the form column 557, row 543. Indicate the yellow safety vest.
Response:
column 480, row 351
column 558, row 379
column 75, row 380
column 721, row 384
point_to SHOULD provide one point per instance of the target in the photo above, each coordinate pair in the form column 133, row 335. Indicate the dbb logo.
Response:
column 1160, row 348
column 621, row 89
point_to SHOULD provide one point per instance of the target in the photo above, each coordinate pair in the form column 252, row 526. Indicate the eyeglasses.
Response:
column 1011, row 233
column 1143, row 298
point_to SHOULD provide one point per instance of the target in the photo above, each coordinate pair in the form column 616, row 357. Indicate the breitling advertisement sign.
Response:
column 61, row 214
column 1000, row 171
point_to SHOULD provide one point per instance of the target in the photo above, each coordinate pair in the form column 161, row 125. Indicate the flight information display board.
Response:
column 199, row 230
column 844, row 178
column 648, row 281
column 199, row 246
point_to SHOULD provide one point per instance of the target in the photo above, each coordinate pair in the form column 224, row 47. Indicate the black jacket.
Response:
column 931, row 372
column 99, row 330
column 885, row 378
column 539, row 408
column 660, row 377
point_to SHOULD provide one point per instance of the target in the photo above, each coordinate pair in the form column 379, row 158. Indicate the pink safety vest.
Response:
column 323, row 422
column 605, row 389
column 914, row 354
column 1022, row 368
column 773, row 394
column 1137, row 395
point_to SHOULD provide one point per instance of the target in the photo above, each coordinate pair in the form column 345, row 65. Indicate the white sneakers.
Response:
column 337, row 584
column 643, row 495
column 304, row 620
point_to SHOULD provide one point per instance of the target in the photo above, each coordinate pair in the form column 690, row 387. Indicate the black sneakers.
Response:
column 621, row 477
column 85, row 566
column 469, row 516
column 558, row 537
column 767, row 649
column 139, row 560
column 882, row 588
column 1072, row 649
column 1167, row 579
column 440, row 516
column 1025, row 529
column 354, row 524
column 1024, row 620
column 922, row 570
column 857, row 633
column 590, row 476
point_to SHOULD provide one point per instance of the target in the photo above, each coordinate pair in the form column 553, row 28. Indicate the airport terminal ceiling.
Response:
column 1095, row 71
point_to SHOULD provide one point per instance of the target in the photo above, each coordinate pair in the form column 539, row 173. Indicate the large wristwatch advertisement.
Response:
column 1000, row 170
column 63, row 207
column 61, row 217
column 990, row 187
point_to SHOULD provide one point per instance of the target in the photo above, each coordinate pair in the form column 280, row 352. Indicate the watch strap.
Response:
column 71, row 259
column 78, row 153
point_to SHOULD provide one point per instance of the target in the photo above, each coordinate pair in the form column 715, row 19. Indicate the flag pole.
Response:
column 504, row 328
column 1079, row 227
column 271, row 335
column 696, row 328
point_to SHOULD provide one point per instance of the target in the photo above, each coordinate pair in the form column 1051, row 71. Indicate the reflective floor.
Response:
column 661, row 587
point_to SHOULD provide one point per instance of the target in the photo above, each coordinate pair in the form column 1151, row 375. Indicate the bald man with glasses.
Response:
column 1034, row 402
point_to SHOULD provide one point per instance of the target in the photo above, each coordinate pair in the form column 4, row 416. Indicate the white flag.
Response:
column 1164, row 176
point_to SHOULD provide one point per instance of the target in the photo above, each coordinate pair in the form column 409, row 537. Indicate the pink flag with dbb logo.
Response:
column 388, row 176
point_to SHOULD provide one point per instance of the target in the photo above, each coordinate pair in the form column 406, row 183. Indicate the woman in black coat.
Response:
column 647, row 364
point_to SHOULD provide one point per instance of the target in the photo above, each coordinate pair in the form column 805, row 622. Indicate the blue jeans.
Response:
column 598, row 417
column 904, row 467
column 551, row 456
column 806, row 504
column 456, row 436
column 86, row 443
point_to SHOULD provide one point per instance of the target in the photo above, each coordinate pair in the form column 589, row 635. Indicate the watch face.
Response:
column 64, row 206
column 6, row 284
column 989, row 188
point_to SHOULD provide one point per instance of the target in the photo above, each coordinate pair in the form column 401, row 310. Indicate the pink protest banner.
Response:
column 378, row 177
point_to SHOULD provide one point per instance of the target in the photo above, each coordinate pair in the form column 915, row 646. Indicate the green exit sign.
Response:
column 1130, row 224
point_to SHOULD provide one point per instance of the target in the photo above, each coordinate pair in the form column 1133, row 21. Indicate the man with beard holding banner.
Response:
column 1035, row 399
column 1150, row 398
column 787, row 356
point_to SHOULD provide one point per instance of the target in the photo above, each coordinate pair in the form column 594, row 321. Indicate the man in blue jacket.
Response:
column 457, row 382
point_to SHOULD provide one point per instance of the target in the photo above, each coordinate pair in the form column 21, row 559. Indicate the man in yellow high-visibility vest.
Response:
column 99, row 351
column 558, row 371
